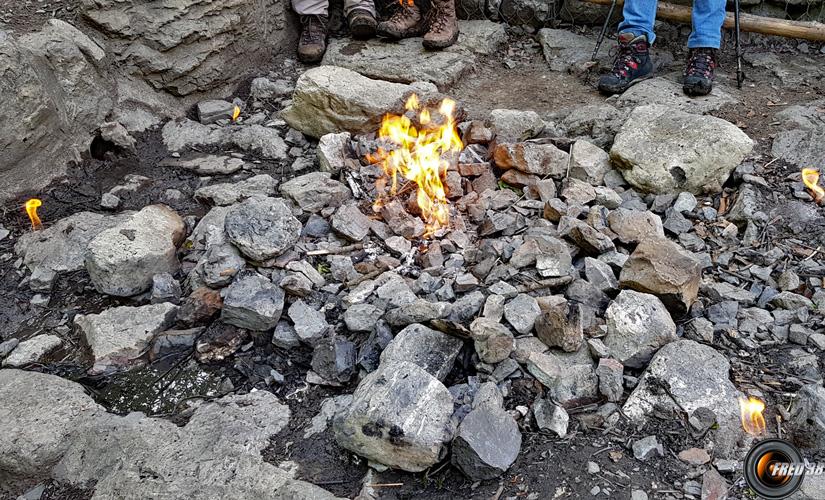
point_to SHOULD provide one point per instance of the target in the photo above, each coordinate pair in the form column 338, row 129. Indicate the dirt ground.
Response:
column 547, row 467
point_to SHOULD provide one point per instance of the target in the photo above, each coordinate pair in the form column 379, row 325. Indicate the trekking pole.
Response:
column 604, row 30
column 740, row 76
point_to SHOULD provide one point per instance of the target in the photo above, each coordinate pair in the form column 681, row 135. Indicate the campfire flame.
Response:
column 750, row 411
column 419, row 157
column 810, row 176
column 236, row 113
column 31, row 210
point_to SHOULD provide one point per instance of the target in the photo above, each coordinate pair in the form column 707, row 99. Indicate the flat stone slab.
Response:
column 384, row 60
column 669, row 93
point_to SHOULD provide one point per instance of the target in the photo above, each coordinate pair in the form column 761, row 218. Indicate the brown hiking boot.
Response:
column 405, row 22
column 313, row 40
column 443, row 25
column 361, row 24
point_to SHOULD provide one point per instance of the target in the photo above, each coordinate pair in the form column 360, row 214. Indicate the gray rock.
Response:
column 310, row 324
column 521, row 312
column 253, row 302
column 214, row 110
column 551, row 417
column 418, row 311
column 406, row 433
column 611, row 382
column 206, row 164
column 369, row 355
column 362, row 317
column 808, row 417
column 375, row 59
column 165, row 288
column 430, row 349
column 123, row 259
column 493, row 341
column 109, row 201
column 334, row 359
column 8, row 346
column 264, row 88
column 229, row 193
column 467, row 307
column 561, row 326
column 600, row 275
column 219, row 341
column 589, row 239
column 800, row 140
column 172, row 341
column 637, row 326
column 61, row 247
column 262, row 228
column 700, row 330
column 666, row 92
column 284, row 336
column 685, row 202
column 511, row 125
column 351, row 223
column 330, row 99
column 563, row 49
column 663, row 268
column 577, row 382
column 315, row 190
column 647, row 447
column 56, row 82
column 332, row 152
column 32, row 350
column 588, row 162
column 120, row 335
column 219, row 266
column 632, row 226
column 545, row 367
column 790, row 300
column 178, row 135
column 77, row 439
column 696, row 376
column 486, row 444
column 662, row 150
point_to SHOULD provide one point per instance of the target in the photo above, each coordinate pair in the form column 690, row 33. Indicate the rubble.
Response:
column 262, row 228
column 637, row 326
column 486, row 443
column 32, row 351
column 315, row 190
column 253, row 302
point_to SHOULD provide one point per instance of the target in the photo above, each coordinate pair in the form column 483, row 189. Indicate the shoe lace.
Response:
column 626, row 59
column 313, row 29
column 402, row 12
column 701, row 62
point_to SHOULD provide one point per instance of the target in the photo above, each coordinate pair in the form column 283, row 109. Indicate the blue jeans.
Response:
column 708, row 16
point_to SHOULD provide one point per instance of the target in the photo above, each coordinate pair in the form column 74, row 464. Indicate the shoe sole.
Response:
column 623, row 90
column 394, row 35
column 362, row 31
column 310, row 59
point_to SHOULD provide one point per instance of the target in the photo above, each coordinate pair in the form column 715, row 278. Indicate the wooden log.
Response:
column 747, row 22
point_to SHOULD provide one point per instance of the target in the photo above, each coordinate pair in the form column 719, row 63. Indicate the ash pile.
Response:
column 541, row 292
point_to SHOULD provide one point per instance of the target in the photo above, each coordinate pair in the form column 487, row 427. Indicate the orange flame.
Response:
column 418, row 157
column 750, row 411
column 31, row 210
column 810, row 176
column 236, row 113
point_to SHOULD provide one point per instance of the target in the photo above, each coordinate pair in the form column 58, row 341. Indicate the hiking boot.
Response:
column 313, row 40
column 699, row 71
column 361, row 24
column 442, row 28
column 405, row 22
column 632, row 64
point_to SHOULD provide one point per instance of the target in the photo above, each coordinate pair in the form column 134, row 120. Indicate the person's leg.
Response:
column 406, row 21
column 638, row 18
column 312, row 43
column 360, row 16
column 704, row 41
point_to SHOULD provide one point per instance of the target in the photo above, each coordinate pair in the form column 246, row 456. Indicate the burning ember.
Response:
column 810, row 177
column 31, row 210
column 420, row 155
column 750, row 410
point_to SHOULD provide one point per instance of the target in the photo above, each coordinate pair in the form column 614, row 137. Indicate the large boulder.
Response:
column 801, row 140
column 184, row 46
column 123, row 259
column 54, row 83
column 262, row 228
column 663, row 150
column 329, row 99
column 118, row 337
column 399, row 417
column 380, row 60
column 56, row 431
column 669, row 93
column 665, row 269
column 695, row 376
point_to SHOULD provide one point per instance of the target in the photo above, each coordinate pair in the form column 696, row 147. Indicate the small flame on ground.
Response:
column 236, row 113
column 750, row 411
column 31, row 210
column 810, row 176
column 418, row 157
